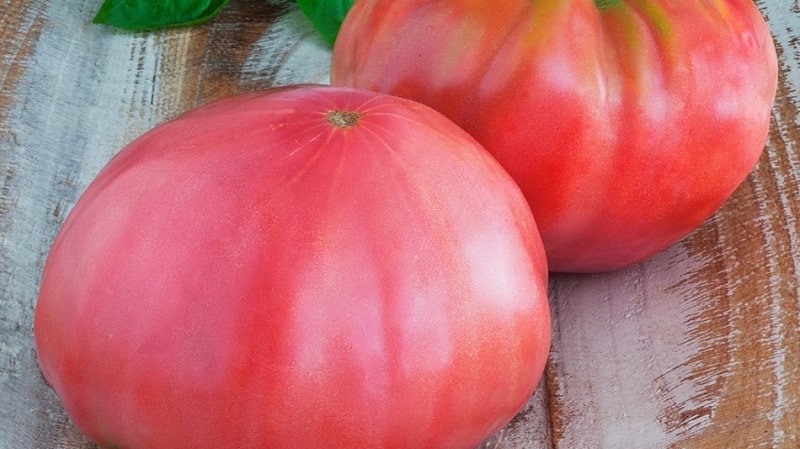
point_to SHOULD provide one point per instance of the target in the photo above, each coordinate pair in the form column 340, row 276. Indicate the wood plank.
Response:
column 697, row 348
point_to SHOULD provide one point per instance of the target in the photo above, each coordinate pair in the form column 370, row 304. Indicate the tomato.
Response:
column 626, row 124
column 306, row 267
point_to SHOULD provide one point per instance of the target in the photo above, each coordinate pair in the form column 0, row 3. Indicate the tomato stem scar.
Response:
column 343, row 119
column 603, row 4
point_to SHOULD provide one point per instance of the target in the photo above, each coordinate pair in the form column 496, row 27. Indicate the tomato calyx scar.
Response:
column 604, row 4
column 343, row 119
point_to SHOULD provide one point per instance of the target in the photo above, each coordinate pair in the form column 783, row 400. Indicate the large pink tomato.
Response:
column 308, row 267
column 626, row 124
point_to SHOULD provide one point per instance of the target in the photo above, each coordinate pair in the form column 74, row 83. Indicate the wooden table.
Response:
column 698, row 347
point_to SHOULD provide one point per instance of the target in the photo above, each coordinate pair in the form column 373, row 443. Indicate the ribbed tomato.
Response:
column 626, row 124
column 306, row 267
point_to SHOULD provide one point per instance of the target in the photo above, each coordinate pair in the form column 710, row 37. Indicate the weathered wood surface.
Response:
column 697, row 348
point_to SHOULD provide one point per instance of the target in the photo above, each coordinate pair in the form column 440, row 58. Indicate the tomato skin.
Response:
column 625, row 126
column 250, row 275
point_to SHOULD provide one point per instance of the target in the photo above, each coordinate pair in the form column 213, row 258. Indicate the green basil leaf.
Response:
column 150, row 14
column 326, row 15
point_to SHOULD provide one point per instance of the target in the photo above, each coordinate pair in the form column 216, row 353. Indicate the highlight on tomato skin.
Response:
column 303, row 267
column 625, row 124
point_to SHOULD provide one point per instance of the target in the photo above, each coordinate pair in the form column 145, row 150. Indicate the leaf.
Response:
column 326, row 15
column 150, row 14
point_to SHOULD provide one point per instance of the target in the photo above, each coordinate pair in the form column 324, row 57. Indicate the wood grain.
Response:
column 697, row 348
